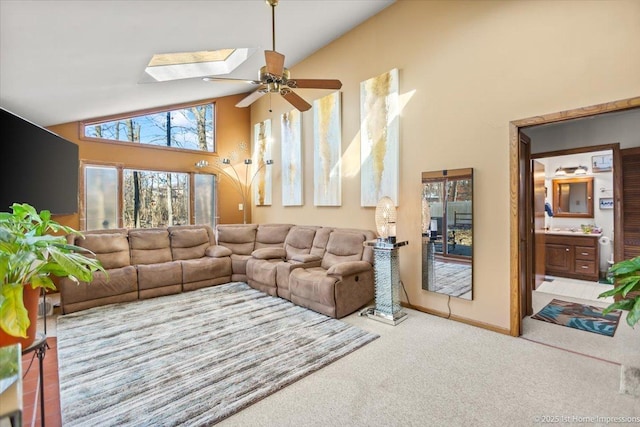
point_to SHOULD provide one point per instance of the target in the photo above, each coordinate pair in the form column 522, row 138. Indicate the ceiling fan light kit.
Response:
column 275, row 78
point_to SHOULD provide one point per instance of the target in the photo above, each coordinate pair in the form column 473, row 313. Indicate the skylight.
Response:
column 184, row 65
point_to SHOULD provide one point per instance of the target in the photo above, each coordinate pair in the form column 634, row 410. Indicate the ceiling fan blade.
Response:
column 275, row 62
column 295, row 100
column 228, row 80
column 314, row 83
column 253, row 96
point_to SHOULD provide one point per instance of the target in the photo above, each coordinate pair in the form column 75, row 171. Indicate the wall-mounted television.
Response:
column 37, row 167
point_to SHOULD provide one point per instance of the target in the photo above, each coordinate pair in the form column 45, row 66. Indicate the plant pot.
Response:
column 31, row 298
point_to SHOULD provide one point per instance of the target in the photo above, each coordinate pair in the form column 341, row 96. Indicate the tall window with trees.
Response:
column 155, row 199
column 189, row 128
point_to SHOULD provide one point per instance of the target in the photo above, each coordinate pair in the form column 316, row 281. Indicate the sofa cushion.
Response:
column 240, row 238
column 190, row 243
column 239, row 263
column 149, row 246
column 158, row 275
column 271, row 235
column 299, row 240
column 343, row 246
column 111, row 249
column 207, row 268
column 320, row 241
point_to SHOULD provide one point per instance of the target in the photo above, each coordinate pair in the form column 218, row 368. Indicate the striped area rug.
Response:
column 192, row 358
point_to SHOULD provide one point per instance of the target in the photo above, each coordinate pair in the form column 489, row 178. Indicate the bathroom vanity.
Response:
column 570, row 254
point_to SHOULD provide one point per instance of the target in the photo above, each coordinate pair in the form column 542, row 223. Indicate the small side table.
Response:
column 39, row 346
column 387, row 281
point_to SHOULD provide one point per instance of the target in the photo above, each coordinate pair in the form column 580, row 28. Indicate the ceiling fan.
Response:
column 275, row 78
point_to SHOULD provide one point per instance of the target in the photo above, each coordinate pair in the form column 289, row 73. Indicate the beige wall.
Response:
column 466, row 70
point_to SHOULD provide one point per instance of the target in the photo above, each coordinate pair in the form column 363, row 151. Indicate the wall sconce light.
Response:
column 576, row 170
column 386, row 217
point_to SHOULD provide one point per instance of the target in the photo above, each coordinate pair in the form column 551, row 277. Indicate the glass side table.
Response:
column 386, row 265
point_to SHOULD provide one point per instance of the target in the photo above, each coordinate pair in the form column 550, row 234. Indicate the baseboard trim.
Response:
column 460, row 319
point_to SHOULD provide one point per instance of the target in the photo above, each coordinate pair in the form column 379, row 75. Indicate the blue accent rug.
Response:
column 579, row 316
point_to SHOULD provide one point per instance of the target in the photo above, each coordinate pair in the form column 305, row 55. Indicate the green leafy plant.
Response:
column 627, row 279
column 30, row 255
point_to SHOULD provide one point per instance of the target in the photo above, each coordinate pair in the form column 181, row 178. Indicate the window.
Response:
column 101, row 197
column 205, row 199
column 149, row 198
column 188, row 128
column 155, row 199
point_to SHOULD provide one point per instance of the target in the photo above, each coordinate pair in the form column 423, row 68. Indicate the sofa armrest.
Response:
column 298, row 264
column 304, row 258
column 269, row 253
column 348, row 268
column 218, row 251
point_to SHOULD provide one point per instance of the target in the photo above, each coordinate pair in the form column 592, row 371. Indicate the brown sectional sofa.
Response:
column 326, row 269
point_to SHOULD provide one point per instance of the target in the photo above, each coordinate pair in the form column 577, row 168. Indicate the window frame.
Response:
column 148, row 111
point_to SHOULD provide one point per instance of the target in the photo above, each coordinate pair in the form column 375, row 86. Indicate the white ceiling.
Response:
column 63, row 61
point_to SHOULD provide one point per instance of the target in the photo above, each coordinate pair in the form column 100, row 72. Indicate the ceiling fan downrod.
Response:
column 273, row 4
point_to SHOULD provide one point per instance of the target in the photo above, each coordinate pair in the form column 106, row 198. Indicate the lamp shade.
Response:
column 385, row 217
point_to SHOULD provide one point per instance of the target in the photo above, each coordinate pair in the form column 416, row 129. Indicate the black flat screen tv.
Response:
column 38, row 167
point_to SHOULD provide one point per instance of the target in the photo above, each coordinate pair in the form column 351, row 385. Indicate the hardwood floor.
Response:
column 30, row 392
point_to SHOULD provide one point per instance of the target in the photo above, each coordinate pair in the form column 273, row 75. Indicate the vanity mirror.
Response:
column 447, row 232
column 573, row 197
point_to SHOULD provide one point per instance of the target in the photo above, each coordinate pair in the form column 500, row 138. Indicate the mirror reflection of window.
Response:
column 447, row 238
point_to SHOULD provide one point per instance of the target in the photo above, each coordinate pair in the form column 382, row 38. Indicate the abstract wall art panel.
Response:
column 262, row 153
column 327, row 149
column 292, row 177
column 379, row 143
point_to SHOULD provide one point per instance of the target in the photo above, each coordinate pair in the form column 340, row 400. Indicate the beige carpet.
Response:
column 430, row 371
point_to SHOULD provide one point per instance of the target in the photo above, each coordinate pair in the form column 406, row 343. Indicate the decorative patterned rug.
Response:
column 190, row 359
column 579, row 316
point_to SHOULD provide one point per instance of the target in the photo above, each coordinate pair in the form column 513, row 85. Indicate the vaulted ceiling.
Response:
column 63, row 61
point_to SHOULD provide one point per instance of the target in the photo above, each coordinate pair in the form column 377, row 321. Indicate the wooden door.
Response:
column 539, row 195
column 525, row 228
column 631, row 202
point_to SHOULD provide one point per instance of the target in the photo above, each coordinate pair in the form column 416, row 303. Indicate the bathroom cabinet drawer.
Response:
column 585, row 267
column 586, row 253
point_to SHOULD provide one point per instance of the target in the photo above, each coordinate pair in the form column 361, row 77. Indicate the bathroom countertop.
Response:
column 572, row 233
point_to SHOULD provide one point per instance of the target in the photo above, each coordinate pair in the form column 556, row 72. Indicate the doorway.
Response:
column 521, row 229
column 574, row 222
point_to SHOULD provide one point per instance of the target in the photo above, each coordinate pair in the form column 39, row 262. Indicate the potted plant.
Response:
column 627, row 287
column 30, row 254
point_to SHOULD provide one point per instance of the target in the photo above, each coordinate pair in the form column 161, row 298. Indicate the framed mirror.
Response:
column 573, row 197
column 447, row 232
